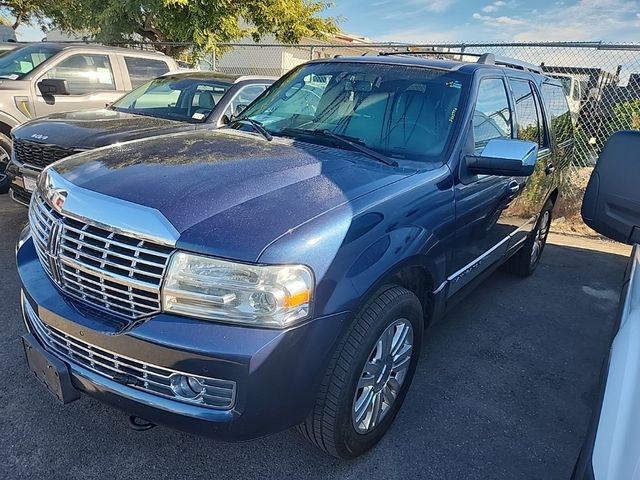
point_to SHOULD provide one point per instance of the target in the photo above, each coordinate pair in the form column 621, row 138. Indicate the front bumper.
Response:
column 276, row 372
column 17, row 190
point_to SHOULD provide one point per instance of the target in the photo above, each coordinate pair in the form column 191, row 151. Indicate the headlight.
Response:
column 262, row 295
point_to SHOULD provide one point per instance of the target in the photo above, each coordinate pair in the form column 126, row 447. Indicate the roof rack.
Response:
column 482, row 58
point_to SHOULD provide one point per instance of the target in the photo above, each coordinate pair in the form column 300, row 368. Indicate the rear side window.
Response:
column 529, row 116
column 84, row 73
column 558, row 109
column 142, row 70
column 491, row 117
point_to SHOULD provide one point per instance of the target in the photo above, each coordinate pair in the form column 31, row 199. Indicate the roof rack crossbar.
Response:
column 483, row 58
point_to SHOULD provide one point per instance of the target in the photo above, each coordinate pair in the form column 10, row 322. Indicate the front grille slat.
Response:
column 113, row 242
column 39, row 155
column 107, row 270
column 219, row 394
column 109, row 252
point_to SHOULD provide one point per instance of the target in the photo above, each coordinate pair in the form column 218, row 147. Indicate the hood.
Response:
column 95, row 128
column 229, row 193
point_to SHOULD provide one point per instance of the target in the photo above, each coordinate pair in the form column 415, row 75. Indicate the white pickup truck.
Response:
column 612, row 207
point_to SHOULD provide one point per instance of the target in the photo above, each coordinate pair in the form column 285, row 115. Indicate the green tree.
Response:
column 205, row 23
column 626, row 116
column 25, row 12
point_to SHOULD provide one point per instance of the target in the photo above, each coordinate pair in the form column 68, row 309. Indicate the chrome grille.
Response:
column 39, row 155
column 115, row 273
column 219, row 394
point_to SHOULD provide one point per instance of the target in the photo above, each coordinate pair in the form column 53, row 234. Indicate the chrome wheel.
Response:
column 540, row 237
column 4, row 156
column 383, row 375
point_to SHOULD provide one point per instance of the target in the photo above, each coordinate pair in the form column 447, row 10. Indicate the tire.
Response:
column 332, row 425
column 526, row 260
column 5, row 151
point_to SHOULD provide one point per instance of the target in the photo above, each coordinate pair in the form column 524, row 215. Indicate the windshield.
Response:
column 15, row 64
column 398, row 111
column 182, row 99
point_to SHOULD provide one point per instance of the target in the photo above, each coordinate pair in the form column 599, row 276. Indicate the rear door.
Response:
column 534, row 190
column 138, row 70
column 91, row 77
column 561, row 124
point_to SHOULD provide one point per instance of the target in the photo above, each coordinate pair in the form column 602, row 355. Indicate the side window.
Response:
column 243, row 98
column 144, row 69
column 528, row 113
column 84, row 73
column 558, row 108
column 491, row 117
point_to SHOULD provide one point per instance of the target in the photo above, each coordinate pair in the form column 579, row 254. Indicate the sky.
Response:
column 478, row 20
column 485, row 20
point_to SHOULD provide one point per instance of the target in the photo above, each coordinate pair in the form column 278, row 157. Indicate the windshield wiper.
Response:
column 355, row 145
column 257, row 126
column 361, row 148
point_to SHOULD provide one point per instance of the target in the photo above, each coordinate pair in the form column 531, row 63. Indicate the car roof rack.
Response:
column 482, row 58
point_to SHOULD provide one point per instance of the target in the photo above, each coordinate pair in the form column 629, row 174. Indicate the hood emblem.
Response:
column 39, row 136
column 58, row 198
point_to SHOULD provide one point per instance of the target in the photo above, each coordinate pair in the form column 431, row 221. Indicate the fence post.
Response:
column 311, row 50
column 213, row 60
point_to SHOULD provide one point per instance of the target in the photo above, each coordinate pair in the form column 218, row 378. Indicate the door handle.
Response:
column 513, row 188
column 549, row 169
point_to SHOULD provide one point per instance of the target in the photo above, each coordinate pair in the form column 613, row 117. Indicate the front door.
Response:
column 482, row 235
column 91, row 81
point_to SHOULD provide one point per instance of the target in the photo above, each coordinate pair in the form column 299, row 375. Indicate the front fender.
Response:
column 9, row 120
column 356, row 247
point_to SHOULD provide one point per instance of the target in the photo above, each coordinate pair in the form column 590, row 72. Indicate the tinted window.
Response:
column 18, row 63
column 530, row 123
column 84, row 73
column 491, row 117
column 243, row 98
column 402, row 112
column 558, row 109
column 144, row 69
column 175, row 98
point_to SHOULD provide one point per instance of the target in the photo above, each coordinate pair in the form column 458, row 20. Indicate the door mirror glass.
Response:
column 50, row 87
column 505, row 157
column 611, row 204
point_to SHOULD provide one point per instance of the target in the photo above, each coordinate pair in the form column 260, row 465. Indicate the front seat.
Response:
column 206, row 103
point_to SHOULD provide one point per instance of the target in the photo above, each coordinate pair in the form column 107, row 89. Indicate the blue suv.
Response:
column 283, row 271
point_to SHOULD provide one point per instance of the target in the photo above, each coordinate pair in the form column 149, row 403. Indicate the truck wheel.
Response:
column 525, row 261
column 5, row 151
column 368, row 376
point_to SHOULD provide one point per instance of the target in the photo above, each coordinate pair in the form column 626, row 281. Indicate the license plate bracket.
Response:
column 49, row 370
column 29, row 183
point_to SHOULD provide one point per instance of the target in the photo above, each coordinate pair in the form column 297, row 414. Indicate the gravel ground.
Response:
column 503, row 390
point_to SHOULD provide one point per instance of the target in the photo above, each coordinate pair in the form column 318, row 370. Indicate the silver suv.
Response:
column 43, row 78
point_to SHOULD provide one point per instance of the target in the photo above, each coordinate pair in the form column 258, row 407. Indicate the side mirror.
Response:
column 225, row 120
column 505, row 157
column 611, row 204
column 52, row 86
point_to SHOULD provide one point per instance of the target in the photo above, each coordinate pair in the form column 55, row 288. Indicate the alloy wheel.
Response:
column 540, row 237
column 382, row 377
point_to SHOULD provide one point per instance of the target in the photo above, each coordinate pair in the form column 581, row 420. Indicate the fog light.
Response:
column 186, row 386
